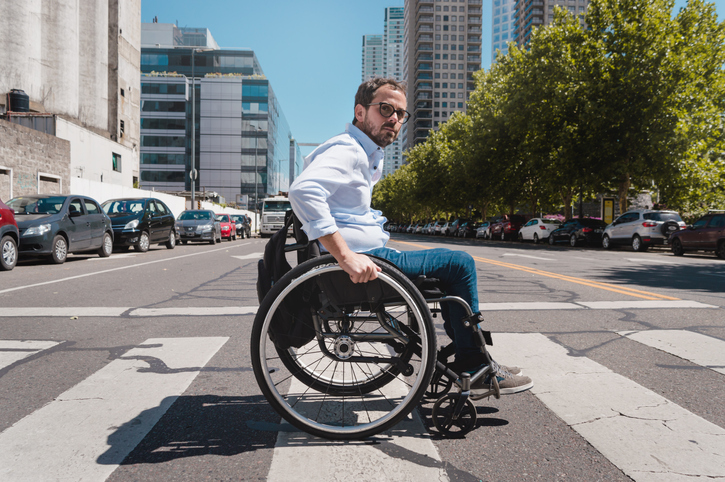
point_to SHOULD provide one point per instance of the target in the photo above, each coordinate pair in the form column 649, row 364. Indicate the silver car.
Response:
column 642, row 228
column 199, row 225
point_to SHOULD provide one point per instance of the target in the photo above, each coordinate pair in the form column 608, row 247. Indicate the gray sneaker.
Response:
column 508, row 383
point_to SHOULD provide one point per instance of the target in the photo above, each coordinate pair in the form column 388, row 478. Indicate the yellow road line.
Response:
column 594, row 284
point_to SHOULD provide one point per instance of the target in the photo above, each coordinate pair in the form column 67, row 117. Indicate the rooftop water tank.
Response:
column 18, row 101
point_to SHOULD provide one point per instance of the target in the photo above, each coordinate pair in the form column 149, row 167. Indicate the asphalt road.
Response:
column 137, row 367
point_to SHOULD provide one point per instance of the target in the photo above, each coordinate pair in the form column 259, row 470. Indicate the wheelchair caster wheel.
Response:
column 439, row 386
column 445, row 420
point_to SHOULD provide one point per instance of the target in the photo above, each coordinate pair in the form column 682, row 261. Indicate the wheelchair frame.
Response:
column 383, row 348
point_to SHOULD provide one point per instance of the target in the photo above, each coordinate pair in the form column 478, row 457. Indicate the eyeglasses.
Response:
column 387, row 110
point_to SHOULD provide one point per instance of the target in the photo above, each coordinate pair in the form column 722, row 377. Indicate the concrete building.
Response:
column 528, row 14
column 443, row 49
column 383, row 56
column 78, row 63
column 243, row 147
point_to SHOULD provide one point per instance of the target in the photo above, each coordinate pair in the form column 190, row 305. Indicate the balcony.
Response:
column 423, row 96
column 425, row 67
column 475, row 2
column 472, row 48
column 423, row 86
column 425, row 47
column 423, row 57
column 424, row 105
column 474, row 39
column 475, row 10
column 424, row 38
column 425, row 19
column 423, row 115
column 423, row 76
column 474, row 20
column 473, row 58
column 474, row 30
column 425, row 28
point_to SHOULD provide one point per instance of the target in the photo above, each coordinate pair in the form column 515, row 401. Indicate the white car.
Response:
column 537, row 229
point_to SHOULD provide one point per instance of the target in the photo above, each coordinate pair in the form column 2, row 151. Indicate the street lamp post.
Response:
column 256, row 176
column 194, row 173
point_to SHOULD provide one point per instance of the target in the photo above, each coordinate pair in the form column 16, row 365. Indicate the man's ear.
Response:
column 360, row 112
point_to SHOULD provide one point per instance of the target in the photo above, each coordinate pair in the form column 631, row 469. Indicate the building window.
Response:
column 116, row 161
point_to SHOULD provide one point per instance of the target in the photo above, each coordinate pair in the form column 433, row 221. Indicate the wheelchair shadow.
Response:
column 194, row 426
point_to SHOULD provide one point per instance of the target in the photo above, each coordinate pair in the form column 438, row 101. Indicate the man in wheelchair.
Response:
column 332, row 199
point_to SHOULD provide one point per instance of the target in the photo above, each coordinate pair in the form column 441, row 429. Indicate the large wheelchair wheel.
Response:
column 367, row 361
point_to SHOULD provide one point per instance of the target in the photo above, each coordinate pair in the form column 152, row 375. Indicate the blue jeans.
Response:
column 457, row 272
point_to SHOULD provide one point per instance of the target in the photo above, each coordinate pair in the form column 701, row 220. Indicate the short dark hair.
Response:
column 367, row 90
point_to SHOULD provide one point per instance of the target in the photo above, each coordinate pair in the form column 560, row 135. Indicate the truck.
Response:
column 273, row 211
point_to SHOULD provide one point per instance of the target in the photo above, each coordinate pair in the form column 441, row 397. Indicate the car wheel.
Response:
column 521, row 238
column 213, row 239
column 503, row 236
column 8, row 253
column 677, row 248
column 171, row 243
column 60, row 250
column 107, row 247
column 720, row 251
column 606, row 242
column 637, row 244
column 573, row 241
column 143, row 243
column 551, row 240
column 536, row 238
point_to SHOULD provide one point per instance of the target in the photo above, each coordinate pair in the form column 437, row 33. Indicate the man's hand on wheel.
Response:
column 360, row 267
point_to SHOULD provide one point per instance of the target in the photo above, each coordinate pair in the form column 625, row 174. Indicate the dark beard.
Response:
column 382, row 139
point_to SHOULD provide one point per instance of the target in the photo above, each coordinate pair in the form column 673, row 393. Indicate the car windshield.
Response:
column 194, row 215
column 277, row 205
column 223, row 218
column 37, row 205
column 237, row 218
column 663, row 217
column 124, row 206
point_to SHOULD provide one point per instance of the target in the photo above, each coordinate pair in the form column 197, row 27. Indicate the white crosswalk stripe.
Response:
column 620, row 418
column 86, row 432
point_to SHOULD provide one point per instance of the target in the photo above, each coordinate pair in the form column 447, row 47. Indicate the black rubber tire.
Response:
column 677, row 248
column 573, row 241
column 536, row 238
column 171, row 242
column 106, row 247
column 720, row 251
column 443, row 416
column 334, row 422
column 637, row 245
column 8, row 253
column 552, row 240
column 60, row 249
column 521, row 238
column 606, row 242
column 143, row 243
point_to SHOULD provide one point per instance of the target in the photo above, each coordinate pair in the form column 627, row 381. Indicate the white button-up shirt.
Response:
column 334, row 191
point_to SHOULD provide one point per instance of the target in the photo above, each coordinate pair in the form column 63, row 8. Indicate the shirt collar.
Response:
column 367, row 144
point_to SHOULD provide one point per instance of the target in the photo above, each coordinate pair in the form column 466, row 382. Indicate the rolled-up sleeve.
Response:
column 310, row 193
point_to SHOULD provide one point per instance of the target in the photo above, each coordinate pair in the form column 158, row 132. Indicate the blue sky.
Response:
column 310, row 50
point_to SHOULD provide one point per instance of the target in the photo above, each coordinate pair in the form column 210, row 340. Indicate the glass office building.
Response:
column 242, row 141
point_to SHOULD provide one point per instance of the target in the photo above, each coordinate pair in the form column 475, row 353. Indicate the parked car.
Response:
column 507, row 227
column 578, row 230
column 9, row 238
column 436, row 229
column 450, row 228
column 705, row 234
column 467, row 229
column 426, row 229
column 244, row 228
column 57, row 224
column 199, row 225
column 642, row 228
column 227, row 226
column 537, row 229
column 483, row 230
column 141, row 222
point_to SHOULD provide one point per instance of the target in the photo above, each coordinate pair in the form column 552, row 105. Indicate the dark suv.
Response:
column 705, row 234
column 9, row 238
column 141, row 222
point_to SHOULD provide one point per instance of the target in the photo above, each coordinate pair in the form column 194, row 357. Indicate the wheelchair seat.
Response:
column 346, row 361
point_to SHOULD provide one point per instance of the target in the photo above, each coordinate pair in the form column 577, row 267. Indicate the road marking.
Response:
column 109, row 311
column 12, row 351
column 528, row 306
column 650, row 260
column 647, row 436
column 527, row 256
column 63, row 311
column 138, row 265
column 594, row 284
column 85, row 433
column 196, row 311
column 622, row 305
column 700, row 349
column 362, row 460
column 250, row 256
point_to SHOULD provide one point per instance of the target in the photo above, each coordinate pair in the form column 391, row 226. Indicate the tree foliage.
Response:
column 633, row 101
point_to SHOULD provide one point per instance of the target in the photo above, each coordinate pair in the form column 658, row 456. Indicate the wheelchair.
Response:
column 347, row 361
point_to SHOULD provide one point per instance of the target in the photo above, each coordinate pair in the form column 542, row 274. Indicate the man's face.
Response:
column 382, row 130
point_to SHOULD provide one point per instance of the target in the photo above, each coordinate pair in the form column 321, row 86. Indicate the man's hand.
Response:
column 360, row 267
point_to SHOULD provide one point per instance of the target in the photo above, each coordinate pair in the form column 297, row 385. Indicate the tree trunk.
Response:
column 566, row 197
column 624, row 185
